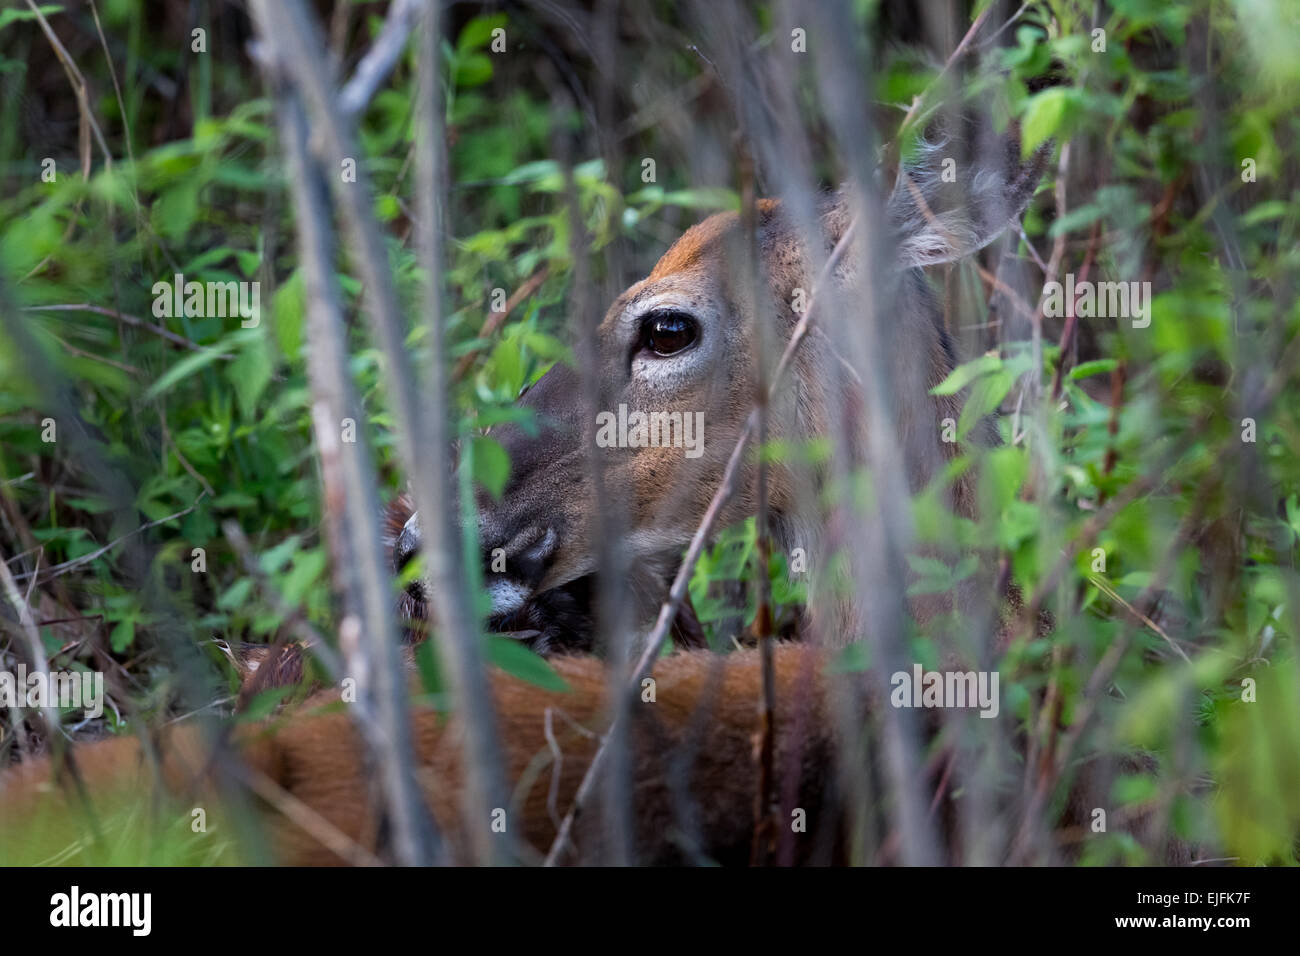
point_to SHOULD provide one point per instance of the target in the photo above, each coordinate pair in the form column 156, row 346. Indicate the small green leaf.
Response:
column 491, row 465
column 986, row 395
column 476, row 34
column 10, row 16
column 185, row 368
column 276, row 558
column 1043, row 117
column 306, row 571
column 249, row 374
column 236, row 595
column 1095, row 367
column 122, row 635
column 517, row 660
column 966, row 373
column 430, row 668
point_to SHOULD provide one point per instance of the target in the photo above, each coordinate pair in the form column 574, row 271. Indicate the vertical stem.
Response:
column 436, row 490
column 352, row 501
column 764, row 821
column 294, row 30
column 613, row 629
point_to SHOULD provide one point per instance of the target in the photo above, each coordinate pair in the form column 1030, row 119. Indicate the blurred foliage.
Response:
column 219, row 428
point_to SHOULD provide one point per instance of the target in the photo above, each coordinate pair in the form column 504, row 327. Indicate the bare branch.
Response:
column 132, row 320
column 764, row 842
column 352, row 501
column 78, row 86
column 57, row 569
column 35, row 649
column 434, row 481
column 380, row 58
column 495, row 320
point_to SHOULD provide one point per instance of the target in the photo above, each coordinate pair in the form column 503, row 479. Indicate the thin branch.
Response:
column 426, row 431
column 1035, row 374
column 32, row 639
column 169, row 335
column 1104, row 587
column 910, row 116
column 495, row 320
column 76, row 79
column 189, row 469
column 121, row 108
column 368, row 634
column 1071, row 314
column 380, row 58
column 80, row 353
column 307, row 819
column 764, row 841
column 55, row 570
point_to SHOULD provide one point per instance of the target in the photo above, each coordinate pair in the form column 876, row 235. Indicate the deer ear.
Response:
column 945, row 206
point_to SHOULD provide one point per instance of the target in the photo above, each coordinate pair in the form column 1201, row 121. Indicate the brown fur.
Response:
column 693, row 769
column 692, row 752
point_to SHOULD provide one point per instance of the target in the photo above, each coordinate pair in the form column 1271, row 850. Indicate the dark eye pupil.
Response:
column 668, row 333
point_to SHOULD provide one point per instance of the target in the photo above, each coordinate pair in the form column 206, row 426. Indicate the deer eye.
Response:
column 668, row 332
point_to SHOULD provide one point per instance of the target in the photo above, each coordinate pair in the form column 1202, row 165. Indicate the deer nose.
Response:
column 524, row 558
column 407, row 545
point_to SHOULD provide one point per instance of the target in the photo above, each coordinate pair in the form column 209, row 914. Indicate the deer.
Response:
column 681, row 342
column 678, row 341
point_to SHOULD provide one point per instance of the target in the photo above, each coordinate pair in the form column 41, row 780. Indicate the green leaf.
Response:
column 430, row 668
column 288, row 307
column 236, row 595
column 306, row 571
column 517, row 660
column 234, row 500
column 986, row 395
column 250, row 373
column 185, row 368
column 1043, row 117
column 1095, row 367
column 12, row 15
column 276, row 558
column 491, row 465
column 174, row 213
column 122, row 635
column 703, row 198
column 966, row 373
column 928, row 567
column 476, row 34
column 472, row 70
